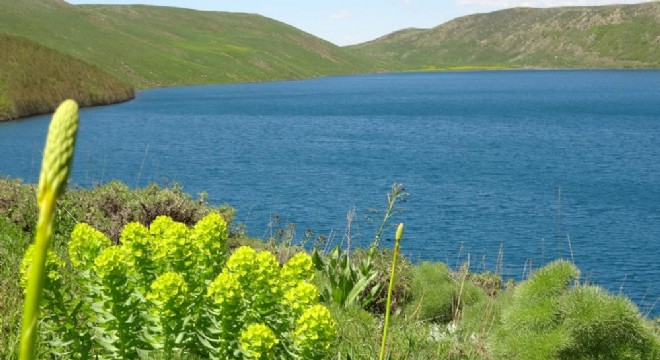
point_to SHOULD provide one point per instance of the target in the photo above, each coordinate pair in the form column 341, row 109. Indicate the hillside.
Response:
column 34, row 80
column 618, row 36
column 151, row 46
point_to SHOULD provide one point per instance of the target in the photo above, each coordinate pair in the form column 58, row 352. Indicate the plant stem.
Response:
column 399, row 234
column 36, row 280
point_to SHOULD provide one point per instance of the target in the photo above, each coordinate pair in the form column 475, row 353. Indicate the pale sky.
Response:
column 346, row 22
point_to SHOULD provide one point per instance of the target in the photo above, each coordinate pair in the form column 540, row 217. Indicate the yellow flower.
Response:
column 315, row 331
column 257, row 340
column 85, row 245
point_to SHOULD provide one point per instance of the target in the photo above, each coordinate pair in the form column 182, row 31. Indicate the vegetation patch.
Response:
column 34, row 80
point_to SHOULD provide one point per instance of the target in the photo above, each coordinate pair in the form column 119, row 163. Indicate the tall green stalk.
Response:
column 55, row 169
column 399, row 234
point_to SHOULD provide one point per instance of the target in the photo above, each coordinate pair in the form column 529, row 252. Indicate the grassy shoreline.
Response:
column 438, row 312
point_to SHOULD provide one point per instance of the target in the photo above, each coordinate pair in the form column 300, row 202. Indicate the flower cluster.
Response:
column 112, row 267
column 138, row 242
column 315, row 331
column 225, row 291
column 300, row 297
column 169, row 292
column 257, row 340
column 85, row 245
column 210, row 235
column 53, row 269
column 173, row 248
column 298, row 268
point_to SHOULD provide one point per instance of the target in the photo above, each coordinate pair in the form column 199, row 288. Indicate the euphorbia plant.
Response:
column 158, row 291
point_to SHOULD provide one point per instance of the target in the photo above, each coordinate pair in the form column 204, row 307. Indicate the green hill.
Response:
column 34, row 80
column 618, row 36
column 151, row 46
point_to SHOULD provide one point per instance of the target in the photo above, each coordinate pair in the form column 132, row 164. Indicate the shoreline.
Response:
column 426, row 70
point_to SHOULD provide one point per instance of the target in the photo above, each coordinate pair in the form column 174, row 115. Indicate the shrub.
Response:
column 604, row 325
column 547, row 318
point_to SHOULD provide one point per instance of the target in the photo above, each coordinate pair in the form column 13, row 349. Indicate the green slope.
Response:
column 34, row 80
column 618, row 36
column 152, row 46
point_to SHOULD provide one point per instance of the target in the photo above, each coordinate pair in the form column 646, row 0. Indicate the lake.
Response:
column 532, row 165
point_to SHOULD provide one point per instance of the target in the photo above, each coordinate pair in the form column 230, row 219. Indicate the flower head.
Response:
column 85, row 245
column 257, row 340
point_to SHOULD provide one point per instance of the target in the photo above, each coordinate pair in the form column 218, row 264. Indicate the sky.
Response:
column 348, row 22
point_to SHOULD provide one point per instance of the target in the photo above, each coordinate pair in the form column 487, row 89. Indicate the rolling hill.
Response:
column 618, row 36
column 151, row 46
column 35, row 79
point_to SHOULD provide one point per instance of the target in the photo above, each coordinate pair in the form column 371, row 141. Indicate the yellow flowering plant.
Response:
column 174, row 289
column 253, row 297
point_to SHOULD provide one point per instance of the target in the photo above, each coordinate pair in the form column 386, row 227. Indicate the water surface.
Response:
column 512, row 161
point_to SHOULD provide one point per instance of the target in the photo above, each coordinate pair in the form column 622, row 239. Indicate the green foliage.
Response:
column 606, row 326
column 401, row 291
column 13, row 243
column 18, row 204
column 438, row 294
column 547, row 318
column 155, row 292
column 35, row 79
column 344, row 282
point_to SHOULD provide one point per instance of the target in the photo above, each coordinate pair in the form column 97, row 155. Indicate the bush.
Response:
column 107, row 207
column 547, row 318
column 605, row 326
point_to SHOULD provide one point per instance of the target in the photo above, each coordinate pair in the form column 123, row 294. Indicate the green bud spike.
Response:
column 399, row 233
column 58, row 152
column 55, row 169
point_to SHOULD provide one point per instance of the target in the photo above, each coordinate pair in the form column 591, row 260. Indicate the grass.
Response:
column 617, row 36
column 440, row 313
column 150, row 46
column 34, row 80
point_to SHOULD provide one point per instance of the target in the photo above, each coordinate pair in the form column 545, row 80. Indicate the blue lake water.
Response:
column 512, row 161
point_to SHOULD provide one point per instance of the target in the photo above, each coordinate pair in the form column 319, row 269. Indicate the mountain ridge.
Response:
column 612, row 36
